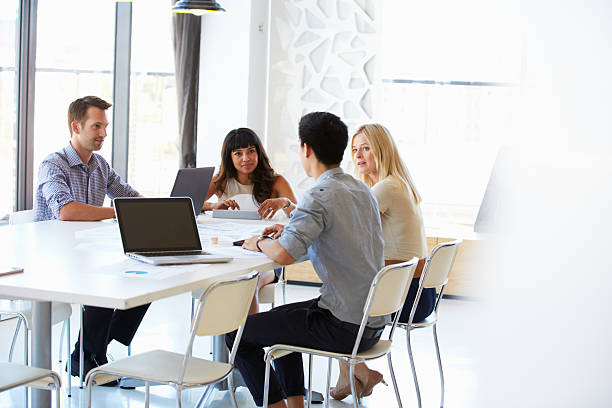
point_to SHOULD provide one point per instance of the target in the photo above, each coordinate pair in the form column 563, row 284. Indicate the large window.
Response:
column 74, row 58
column 153, row 139
column 448, row 92
column 8, row 111
column 75, row 55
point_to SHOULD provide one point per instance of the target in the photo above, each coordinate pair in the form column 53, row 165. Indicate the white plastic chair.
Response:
column 267, row 294
column 387, row 294
column 60, row 312
column 15, row 375
column 435, row 275
column 222, row 308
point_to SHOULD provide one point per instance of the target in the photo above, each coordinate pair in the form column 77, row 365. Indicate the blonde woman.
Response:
column 377, row 163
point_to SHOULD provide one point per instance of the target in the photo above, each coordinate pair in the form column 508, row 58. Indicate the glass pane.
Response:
column 73, row 60
column 443, row 40
column 448, row 137
column 153, row 146
column 449, row 96
column 8, row 103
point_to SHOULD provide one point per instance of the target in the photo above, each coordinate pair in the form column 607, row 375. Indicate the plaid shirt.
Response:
column 63, row 177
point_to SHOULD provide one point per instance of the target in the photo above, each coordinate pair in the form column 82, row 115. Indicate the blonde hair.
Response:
column 387, row 158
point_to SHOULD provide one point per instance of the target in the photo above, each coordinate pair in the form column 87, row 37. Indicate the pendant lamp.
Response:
column 198, row 7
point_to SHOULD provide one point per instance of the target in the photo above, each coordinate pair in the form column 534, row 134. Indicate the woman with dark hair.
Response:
column 245, row 169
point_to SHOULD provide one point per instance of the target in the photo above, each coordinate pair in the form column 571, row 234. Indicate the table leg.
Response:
column 41, row 348
column 220, row 353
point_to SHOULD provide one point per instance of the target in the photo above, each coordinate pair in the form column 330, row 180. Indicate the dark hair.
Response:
column 326, row 134
column 263, row 176
column 77, row 111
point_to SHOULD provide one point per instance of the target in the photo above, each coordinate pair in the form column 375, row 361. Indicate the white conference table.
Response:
column 83, row 263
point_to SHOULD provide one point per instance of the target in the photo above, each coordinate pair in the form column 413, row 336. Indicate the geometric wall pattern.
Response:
column 322, row 58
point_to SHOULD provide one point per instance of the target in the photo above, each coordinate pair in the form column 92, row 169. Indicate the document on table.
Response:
column 130, row 268
column 106, row 237
column 229, row 231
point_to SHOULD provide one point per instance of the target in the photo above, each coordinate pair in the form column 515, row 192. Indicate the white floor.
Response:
column 166, row 326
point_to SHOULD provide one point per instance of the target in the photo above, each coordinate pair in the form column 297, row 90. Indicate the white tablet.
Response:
column 236, row 214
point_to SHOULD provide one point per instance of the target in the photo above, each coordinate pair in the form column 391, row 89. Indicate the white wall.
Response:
column 545, row 335
column 232, row 75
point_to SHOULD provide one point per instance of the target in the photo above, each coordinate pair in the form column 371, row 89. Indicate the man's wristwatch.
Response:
column 261, row 238
column 287, row 205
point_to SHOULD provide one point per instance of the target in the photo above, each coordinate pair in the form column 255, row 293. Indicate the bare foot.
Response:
column 340, row 392
column 370, row 381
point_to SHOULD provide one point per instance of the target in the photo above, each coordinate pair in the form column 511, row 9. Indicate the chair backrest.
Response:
column 389, row 288
column 439, row 264
column 22, row 217
column 387, row 294
column 224, row 306
column 435, row 274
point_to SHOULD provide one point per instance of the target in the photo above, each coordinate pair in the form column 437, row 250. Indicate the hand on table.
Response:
column 268, row 208
column 274, row 230
column 225, row 205
column 251, row 244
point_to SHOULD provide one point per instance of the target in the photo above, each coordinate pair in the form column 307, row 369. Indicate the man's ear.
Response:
column 307, row 150
column 74, row 125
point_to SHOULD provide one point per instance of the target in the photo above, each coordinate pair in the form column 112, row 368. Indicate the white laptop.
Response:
column 161, row 231
column 236, row 214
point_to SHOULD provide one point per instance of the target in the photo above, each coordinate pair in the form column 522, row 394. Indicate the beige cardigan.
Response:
column 402, row 221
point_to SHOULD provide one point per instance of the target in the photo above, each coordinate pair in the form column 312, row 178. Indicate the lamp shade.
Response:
column 197, row 7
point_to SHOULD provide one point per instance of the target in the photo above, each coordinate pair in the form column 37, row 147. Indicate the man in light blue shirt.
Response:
column 337, row 223
column 72, row 184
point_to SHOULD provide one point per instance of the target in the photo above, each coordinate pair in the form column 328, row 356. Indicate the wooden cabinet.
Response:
column 463, row 280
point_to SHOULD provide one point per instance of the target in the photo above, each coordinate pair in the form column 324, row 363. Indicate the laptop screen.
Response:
column 193, row 183
column 157, row 224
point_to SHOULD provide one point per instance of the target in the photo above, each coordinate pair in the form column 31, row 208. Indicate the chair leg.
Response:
column 412, row 366
column 284, row 286
column 394, row 380
column 26, row 343
column 147, row 395
column 69, row 360
column 192, row 308
column 353, row 386
column 230, row 383
column 56, row 385
column 178, row 397
column 26, row 359
column 61, row 342
column 10, row 358
column 329, row 368
column 90, row 381
column 191, row 321
column 309, row 397
column 435, row 335
column 81, row 354
column 266, row 383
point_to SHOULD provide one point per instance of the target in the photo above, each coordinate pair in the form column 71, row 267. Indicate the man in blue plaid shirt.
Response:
column 72, row 184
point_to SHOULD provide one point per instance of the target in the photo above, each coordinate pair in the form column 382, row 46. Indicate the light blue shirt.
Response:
column 337, row 223
column 63, row 178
